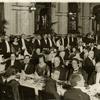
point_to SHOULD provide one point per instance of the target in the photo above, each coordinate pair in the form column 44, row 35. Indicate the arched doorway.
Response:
column 72, row 18
column 96, row 21
column 42, row 16
column 2, row 20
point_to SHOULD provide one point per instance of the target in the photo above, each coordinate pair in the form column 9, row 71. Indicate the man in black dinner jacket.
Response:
column 89, row 65
column 6, row 47
column 50, row 41
column 37, row 42
column 27, row 66
column 44, row 42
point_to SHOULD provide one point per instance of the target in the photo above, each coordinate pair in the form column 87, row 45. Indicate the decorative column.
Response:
column 59, row 14
column 80, row 17
column 20, row 20
column 10, row 16
column 63, row 18
column 26, row 21
column 86, row 18
column 54, row 17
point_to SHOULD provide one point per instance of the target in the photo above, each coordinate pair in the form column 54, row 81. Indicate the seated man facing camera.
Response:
column 76, row 93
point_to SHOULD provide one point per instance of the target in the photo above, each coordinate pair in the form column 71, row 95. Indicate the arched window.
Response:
column 72, row 18
column 96, row 21
column 42, row 16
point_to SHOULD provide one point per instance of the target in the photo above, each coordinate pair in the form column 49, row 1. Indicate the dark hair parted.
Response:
column 26, row 56
column 75, row 59
column 74, row 79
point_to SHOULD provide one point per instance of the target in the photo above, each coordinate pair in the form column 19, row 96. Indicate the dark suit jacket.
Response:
column 92, row 79
column 20, row 42
column 1, row 80
column 97, row 55
column 4, row 47
column 65, row 41
column 51, row 88
column 36, row 44
column 88, row 66
column 44, row 44
column 49, row 43
column 63, row 72
column 2, row 87
column 30, row 68
column 81, row 71
column 17, row 65
column 75, row 94
column 34, row 59
column 29, row 47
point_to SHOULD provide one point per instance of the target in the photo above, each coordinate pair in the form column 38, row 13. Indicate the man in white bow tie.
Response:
column 6, row 47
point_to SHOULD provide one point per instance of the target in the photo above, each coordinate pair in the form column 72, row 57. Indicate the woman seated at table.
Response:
column 76, row 69
column 58, row 65
column 95, row 77
column 51, row 85
column 41, row 68
column 15, row 46
column 35, row 56
column 73, row 53
column 76, row 91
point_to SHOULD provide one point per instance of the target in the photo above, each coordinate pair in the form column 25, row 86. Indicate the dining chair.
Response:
column 27, row 93
column 43, row 95
column 6, row 92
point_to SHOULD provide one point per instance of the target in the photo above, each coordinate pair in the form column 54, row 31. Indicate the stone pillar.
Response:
column 63, row 18
column 86, row 18
column 59, row 14
column 25, row 19
column 32, row 22
column 54, row 17
column 80, row 17
column 19, row 18
column 10, row 16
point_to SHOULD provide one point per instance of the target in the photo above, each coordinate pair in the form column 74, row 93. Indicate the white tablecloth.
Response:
column 38, row 85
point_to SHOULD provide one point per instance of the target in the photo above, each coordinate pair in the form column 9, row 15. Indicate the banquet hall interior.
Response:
column 49, row 51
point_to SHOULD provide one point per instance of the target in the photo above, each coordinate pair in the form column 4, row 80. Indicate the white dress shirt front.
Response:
column 97, row 78
column 8, row 47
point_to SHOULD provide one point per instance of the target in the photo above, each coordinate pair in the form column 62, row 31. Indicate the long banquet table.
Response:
column 31, row 82
column 91, row 91
column 38, row 85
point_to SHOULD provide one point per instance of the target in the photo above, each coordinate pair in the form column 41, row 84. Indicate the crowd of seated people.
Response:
column 57, row 59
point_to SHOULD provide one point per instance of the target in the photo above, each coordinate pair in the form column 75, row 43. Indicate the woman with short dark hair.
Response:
column 76, row 69
column 15, row 47
column 42, row 68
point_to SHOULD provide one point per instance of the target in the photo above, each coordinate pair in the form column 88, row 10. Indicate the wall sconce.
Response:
column 92, row 17
column 32, row 8
column 70, row 13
